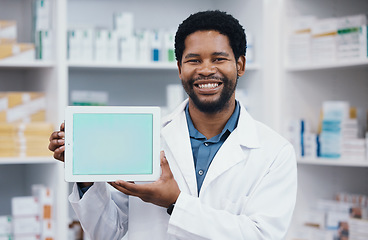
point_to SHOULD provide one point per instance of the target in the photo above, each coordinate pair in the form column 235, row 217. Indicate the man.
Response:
column 224, row 175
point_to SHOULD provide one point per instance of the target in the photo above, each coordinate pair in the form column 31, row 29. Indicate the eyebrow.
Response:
column 220, row 54
column 190, row 55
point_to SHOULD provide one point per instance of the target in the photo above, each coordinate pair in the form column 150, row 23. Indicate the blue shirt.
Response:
column 203, row 149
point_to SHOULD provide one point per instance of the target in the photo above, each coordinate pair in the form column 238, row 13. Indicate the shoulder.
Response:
column 177, row 113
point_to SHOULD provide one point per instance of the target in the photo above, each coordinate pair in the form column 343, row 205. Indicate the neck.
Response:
column 211, row 124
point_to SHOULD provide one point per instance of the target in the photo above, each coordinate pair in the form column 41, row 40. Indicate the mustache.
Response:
column 208, row 78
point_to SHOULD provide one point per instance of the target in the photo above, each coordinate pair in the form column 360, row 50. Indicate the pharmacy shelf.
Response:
column 330, row 65
column 26, row 64
column 26, row 160
column 148, row 66
column 344, row 162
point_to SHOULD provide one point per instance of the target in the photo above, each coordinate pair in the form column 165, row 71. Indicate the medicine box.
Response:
column 22, row 107
column 17, row 51
column 23, row 226
column 5, row 225
column 24, row 206
column 8, row 32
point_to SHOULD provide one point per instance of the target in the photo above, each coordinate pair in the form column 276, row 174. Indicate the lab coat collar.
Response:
column 176, row 134
column 246, row 126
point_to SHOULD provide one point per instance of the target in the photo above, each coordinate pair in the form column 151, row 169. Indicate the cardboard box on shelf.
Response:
column 22, row 106
column 8, row 32
column 17, row 51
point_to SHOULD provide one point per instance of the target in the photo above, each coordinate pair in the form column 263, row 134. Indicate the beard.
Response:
column 211, row 106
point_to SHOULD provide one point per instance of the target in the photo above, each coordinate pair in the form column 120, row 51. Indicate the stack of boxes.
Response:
column 32, row 217
column 23, row 129
column 10, row 50
column 323, row 41
column 330, row 40
column 343, row 218
column 299, row 43
column 352, row 37
column 339, row 134
column 335, row 115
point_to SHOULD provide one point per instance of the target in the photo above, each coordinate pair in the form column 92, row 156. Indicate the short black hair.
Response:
column 216, row 20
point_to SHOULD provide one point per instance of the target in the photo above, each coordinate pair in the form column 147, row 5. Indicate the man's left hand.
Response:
column 163, row 192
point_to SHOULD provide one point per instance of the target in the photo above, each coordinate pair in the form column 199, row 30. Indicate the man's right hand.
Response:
column 57, row 142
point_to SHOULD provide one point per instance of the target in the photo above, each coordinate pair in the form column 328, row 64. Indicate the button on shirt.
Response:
column 203, row 149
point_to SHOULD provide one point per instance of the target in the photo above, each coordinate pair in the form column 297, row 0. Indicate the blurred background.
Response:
column 306, row 77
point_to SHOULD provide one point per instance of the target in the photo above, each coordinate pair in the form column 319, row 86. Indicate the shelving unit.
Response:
column 34, row 64
column 27, row 160
column 336, row 65
column 276, row 92
column 343, row 162
column 304, row 88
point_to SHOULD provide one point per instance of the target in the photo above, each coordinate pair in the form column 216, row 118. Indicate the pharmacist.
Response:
column 224, row 174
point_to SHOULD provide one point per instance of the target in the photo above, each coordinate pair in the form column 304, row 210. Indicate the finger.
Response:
column 61, row 134
column 54, row 135
column 135, row 189
column 62, row 127
column 122, row 189
column 59, row 153
column 56, row 143
column 166, row 171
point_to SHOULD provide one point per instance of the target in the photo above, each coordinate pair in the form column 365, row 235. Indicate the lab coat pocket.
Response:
column 235, row 206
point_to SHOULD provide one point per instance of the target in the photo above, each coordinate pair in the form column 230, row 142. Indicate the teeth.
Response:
column 208, row 85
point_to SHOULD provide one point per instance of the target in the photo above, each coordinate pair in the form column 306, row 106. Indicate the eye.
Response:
column 220, row 59
column 192, row 61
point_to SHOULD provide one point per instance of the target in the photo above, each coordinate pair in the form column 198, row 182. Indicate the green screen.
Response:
column 112, row 143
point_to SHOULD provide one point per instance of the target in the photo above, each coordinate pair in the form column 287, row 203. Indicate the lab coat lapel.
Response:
column 177, row 139
column 228, row 155
column 233, row 150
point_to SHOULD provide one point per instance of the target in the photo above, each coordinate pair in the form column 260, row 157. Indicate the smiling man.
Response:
column 224, row 174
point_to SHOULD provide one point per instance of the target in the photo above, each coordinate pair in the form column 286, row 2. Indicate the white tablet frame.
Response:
column 69, row 113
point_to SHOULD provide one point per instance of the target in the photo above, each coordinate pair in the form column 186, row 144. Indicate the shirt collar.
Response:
column 229, row 127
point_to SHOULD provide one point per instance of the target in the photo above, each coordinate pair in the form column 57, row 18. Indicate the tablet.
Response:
column 105, row 143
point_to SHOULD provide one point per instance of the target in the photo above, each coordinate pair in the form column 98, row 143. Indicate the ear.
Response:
column 240, row 65
column 179, row 68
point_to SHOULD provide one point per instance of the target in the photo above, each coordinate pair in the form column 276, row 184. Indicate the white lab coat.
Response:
column 248, row 193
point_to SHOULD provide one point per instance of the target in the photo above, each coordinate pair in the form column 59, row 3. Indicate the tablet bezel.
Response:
column 68, row 159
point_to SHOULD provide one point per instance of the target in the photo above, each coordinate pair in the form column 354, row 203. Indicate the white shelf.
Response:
column 26, row 64
column 148, row 66
column 332, row 65
column 27, row 160
column 344, row 162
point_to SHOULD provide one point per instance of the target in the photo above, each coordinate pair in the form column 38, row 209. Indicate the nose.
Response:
column 206, row 69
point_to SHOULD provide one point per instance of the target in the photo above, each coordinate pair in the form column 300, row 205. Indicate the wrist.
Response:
column 170, row 209
column 84, row 184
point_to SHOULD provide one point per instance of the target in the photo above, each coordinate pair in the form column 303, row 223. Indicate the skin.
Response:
column 208, row 57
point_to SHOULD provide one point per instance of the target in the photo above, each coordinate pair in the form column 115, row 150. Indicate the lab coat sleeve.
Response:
column 265, row 214
column 103, row 213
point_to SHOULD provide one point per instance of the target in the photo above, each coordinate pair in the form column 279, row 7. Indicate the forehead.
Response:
column 207, row 40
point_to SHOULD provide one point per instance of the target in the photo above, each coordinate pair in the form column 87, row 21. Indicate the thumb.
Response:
column 164, row 165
